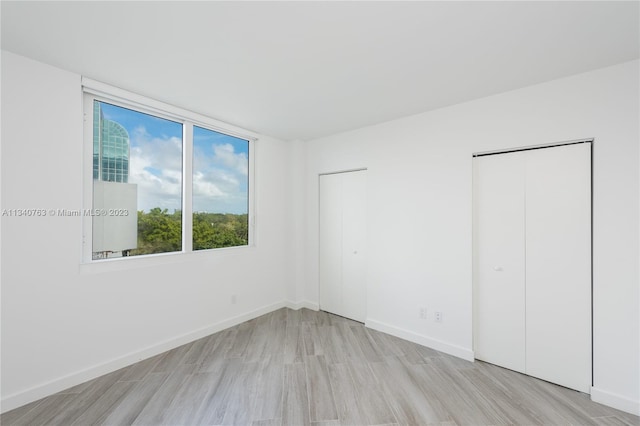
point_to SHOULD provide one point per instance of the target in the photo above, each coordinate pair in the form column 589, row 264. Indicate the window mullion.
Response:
column 187, row 190
column 87, row 198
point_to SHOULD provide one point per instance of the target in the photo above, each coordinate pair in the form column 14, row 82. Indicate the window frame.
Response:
column 96, row 91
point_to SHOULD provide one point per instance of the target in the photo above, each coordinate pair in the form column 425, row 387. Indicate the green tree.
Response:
column 161, row 232
column 216, row 230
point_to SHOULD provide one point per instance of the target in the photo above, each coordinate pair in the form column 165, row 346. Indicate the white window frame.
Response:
column 94, row 90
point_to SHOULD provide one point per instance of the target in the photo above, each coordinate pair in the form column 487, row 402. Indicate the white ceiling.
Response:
column 301, row 70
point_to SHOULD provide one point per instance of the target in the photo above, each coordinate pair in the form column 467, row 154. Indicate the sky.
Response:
column 220, row 164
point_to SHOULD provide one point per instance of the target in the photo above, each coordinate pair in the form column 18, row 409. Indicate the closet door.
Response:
column 342, row 250
column 499, row 293
column 532, row 262
column 558, row 262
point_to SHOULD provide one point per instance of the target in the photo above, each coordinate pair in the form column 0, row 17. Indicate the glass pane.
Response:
column 220, row 190
column 137, row 183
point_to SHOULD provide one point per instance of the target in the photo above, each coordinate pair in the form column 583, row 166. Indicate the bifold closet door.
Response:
column 342, row 261
column 532, row 262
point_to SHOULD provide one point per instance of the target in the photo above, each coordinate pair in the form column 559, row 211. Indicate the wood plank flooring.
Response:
column 312, row 368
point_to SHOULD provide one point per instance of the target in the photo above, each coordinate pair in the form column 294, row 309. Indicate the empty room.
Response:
column 320, row 213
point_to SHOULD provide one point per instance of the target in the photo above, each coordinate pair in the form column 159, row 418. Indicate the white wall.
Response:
column 63, row 323
column 297, row 187
column 420, row 211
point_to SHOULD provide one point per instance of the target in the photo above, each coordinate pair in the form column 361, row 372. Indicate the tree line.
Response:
column 160, row 231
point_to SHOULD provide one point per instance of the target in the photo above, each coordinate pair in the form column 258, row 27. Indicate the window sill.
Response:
column 152, row 260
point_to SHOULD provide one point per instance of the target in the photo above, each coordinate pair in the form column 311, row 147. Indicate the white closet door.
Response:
column 558, row 256
column 342, row 260
column 532, row 263
column 499, row 293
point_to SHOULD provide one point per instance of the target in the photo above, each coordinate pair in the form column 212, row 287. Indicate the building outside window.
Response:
column 110, row 148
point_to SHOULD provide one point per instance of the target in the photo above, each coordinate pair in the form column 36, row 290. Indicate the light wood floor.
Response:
column 303, row 367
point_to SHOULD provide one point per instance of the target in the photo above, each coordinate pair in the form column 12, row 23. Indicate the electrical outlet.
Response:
column 422, row 313
column 234, row 299
column 437, row 316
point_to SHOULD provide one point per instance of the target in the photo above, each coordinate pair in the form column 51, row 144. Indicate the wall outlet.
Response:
column 234, row 299
column 437, row 316
column 422, row 313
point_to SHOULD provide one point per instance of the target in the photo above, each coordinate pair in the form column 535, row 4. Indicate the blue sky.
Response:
column 220, row 164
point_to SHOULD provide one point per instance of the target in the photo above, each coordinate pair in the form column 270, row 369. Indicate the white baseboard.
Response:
column 615, row 401
column 302, row 304
column 420, row 339
column 34, row 393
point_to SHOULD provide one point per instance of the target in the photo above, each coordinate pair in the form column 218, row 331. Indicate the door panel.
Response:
column 499, row 294
column 558, row 278
column 354, row 232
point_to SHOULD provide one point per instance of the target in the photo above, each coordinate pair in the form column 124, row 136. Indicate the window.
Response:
column 220, row 190
column 161, row 181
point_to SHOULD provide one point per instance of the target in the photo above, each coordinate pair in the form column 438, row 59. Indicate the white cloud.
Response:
column 225, row 155
column 155, row 165
column 219, row 180
column 205, row 188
